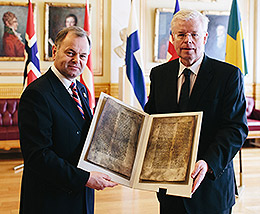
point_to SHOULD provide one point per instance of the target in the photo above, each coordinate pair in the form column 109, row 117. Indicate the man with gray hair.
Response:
column 54, row 118
column 195, row 82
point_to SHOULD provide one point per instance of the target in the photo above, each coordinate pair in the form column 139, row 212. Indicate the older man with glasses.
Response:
column 195, row 82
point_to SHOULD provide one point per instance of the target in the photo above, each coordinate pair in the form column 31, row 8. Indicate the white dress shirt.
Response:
column 193, row 76
column 64, row 81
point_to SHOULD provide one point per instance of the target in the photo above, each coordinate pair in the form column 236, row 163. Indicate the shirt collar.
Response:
column 194, row 68
column 63, row 79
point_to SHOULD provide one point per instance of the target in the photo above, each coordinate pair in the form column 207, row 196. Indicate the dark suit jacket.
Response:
column 219, row 93
column 52, row 134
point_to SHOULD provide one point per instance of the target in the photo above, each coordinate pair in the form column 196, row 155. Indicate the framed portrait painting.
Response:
column 217, row 29
column 60, row 15
column 57, row 17
column 12, row 30
column 163, row 17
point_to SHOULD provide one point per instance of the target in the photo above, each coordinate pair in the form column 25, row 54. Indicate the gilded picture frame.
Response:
column 163, row 17
column 56, row 15
column 217, row 34
column 12, row 30
column 217, row 29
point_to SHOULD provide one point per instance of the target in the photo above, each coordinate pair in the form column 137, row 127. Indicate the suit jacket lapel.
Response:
column 167, row 85
column 64, row 99
column 174, row 71
column 203, row 80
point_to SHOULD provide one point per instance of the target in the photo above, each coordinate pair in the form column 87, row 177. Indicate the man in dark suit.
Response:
column 216, row 88
column 53, row 131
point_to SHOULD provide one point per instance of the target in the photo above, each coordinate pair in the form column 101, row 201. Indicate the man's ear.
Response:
column 54, row 51
column 172, row 35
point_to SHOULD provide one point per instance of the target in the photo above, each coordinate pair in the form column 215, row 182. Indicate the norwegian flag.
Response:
column 32, row 62
column 171, row 53
column 87, row 77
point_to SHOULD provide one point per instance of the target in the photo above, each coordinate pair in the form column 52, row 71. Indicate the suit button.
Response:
column 78, row 132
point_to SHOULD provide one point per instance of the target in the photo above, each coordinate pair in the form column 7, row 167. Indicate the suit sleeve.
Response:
column 40, row 154
column 233, row 130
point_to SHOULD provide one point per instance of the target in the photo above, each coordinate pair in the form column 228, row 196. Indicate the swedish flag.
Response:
column 235, row 49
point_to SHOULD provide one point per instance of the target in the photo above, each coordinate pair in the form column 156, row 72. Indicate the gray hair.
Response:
column 78, row 31
column 186, row 15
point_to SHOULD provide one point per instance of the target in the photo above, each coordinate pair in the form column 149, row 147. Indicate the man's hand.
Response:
column 99, row 181
column 199, row 172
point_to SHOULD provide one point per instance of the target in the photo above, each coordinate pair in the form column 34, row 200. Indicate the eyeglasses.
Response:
column 182, row 36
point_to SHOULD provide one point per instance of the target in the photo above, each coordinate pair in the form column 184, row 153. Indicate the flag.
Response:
column 235, row 49
column 32, row 62
column 87, row 77
column 135, row 84
column 171, row 53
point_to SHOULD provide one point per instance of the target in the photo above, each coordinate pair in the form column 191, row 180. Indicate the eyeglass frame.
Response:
column 182, row 36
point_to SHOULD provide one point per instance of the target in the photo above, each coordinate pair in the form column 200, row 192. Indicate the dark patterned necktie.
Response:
column 185, row 91
column 76, row 98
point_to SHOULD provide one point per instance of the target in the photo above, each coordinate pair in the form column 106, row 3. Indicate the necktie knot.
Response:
column 187, row 72
column 73, row 86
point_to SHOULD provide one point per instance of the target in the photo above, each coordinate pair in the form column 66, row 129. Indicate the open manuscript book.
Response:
column 142, row 151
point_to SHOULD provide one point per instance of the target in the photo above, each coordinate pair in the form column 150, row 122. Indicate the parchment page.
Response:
column 168, row 151
column 115, row 139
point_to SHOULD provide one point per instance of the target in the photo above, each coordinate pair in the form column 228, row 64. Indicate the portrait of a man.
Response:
column 216, row 44
column 12, row 40
column 12, row 30
column 59, row 16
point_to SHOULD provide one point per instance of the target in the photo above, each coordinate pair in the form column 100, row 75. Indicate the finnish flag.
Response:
column 134, row 87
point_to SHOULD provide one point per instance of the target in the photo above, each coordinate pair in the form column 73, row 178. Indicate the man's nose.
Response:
column 187, row 37
column 76, row 58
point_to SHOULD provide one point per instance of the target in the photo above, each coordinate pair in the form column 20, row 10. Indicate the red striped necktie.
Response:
column 76, row 98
